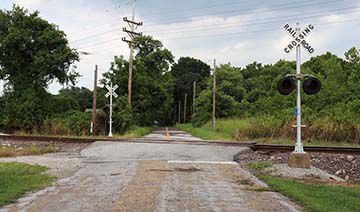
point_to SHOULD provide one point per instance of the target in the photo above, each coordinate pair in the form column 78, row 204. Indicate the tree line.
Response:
column 35, row 53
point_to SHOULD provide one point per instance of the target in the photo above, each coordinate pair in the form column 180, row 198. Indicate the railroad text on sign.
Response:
column 299, row 39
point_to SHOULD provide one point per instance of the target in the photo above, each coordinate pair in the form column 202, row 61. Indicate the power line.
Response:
column 276, row 6
column 224, row 26
column 96, row 35
column 276, row 20
column 236, row 11
column 236, row 34
column 255, row 22
column 117, row 19
column 241, row 33
column 99, row 43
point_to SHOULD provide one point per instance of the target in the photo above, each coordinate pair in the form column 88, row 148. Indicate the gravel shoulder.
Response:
column 344, row 166
column 69, row 147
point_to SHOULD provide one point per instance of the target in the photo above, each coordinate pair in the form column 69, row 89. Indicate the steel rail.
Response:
column 251, row 144
column 288, row 148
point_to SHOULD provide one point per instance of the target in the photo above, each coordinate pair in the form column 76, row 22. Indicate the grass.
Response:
column 226, row 131
column 29, row 150
column 204, row 133
column 317, row 197
column 136, row 132
column 133, row 132
column 260, row 165
column 306, row 142
column 19, row 178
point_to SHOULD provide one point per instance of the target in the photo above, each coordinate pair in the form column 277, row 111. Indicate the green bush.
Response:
column 123, row 119
column 71, row 123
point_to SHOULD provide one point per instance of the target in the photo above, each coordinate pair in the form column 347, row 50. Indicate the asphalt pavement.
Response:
column 120, row 176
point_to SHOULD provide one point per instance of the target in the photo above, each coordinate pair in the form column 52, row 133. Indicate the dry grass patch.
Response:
column 23, row 151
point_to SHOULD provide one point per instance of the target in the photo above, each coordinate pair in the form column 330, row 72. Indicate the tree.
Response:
column 229, row 92
column 152, row 85
column 33, row 53
column 185, row 72
column 352, row 56
column 82, row 96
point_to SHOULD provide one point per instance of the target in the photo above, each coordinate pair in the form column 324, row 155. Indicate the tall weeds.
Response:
column 270, row 127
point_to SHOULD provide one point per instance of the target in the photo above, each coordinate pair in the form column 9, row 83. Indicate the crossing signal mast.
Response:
column 311, row 85
column 132, row 34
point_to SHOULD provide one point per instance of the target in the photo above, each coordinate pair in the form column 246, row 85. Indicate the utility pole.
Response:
column 132, row 34
column 175, row 114
column 94, row 102
column 194, row 96
column 214, row 96
column 185, row 108
column 179, row 120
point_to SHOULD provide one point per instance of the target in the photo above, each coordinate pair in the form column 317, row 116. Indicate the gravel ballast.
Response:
column 344, row 166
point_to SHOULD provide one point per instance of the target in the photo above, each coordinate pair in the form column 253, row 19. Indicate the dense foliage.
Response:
column 152, row 87
column 33, row 53
column 251, row 91
column 185, row 72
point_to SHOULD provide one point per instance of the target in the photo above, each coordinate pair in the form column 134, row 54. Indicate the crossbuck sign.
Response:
column 111, row 93
column 298, row 38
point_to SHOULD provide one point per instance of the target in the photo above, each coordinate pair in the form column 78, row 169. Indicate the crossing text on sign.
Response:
column 299, row 39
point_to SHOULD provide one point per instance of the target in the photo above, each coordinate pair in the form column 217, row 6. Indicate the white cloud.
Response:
column 238, row 39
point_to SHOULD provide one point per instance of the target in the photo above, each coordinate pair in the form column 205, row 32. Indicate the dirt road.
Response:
column 154, row 177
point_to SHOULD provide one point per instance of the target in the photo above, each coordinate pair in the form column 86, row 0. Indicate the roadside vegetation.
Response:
column 248, row 130
column 27, row 108
column 27, row 150
column 260, row 165
column 250, row 107
column 317, row 196
column 313, row 195
column 136, row 132
column 18, row 178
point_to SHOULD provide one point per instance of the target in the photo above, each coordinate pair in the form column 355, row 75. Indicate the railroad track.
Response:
column 289, row 148
column 252, row 145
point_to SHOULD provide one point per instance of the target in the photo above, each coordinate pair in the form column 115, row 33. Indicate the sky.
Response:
column 231, row 31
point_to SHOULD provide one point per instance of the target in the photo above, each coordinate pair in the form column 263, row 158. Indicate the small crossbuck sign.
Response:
column 298, row 38
column 111, row 91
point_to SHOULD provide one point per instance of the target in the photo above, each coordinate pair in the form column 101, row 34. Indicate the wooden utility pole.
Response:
column 194, row 96
column 185, row 108
column 214, row 96
column 175, row 114
column 131, row 60
column 179, row 112
column 94, row 102
column 133, row 25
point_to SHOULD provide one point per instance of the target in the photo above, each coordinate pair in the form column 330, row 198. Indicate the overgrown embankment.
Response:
column 271, row 130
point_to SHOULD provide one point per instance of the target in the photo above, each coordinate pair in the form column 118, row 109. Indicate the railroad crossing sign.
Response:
column 298, row 41
column 111, row 91
column 298, row 38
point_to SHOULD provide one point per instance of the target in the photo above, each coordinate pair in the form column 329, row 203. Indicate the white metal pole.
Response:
column 110, row 121
column 299, row 146
column 214, row 97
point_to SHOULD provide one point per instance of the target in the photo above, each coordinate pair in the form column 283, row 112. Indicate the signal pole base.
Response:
column 299, row 160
